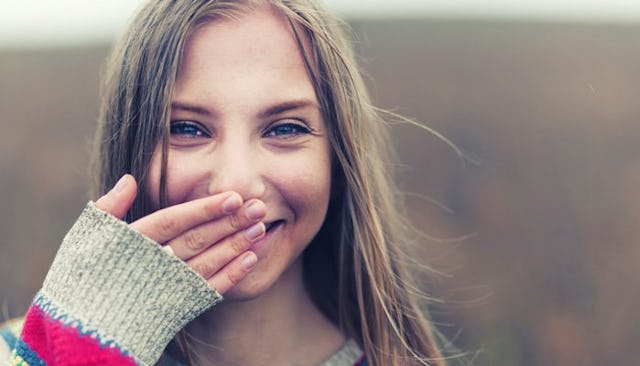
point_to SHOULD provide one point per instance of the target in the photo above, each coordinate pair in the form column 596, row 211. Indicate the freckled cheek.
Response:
column 306, row 189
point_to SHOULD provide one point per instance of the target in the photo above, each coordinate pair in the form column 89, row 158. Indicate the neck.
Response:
column 281, row 326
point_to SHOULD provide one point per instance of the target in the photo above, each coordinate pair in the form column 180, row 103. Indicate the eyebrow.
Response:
column 288, row 106
column 190, row 108
column 269, row 112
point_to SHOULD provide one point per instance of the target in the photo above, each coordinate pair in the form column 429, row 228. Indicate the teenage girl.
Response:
column 247, row 162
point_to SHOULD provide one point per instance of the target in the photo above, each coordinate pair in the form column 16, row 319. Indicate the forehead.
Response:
column 253, row 28
column 258, row 44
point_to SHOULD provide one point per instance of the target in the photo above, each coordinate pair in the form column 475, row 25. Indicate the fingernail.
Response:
column 255, row 231
column 232, row 203
column 249, row 261
column 255, row 211
column 121, row 185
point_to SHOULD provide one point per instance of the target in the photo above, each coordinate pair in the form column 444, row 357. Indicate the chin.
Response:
column 246, row 291
column 257, row 282
column 265, row 279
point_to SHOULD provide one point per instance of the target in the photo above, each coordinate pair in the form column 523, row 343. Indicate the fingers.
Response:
column 243, row 224
column 218, row 250
column 212, row 235
column 168, row 223
column 118, row 200
column 217, row 256
column 233, row 272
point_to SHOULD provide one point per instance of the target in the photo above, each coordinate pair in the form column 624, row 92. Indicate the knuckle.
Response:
column 193, row 240
column 233, row 277
column 234, row 222
column 210, row 209
column 203, row 269
column 167, row 224
column 238, row 244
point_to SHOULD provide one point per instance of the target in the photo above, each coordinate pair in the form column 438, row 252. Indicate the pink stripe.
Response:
column 57, row 344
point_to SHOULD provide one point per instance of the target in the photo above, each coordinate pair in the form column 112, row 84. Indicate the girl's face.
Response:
column 245, row 118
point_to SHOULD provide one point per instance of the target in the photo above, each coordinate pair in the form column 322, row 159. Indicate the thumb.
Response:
column 118, row 200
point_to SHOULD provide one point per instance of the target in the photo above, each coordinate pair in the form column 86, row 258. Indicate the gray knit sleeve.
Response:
column 122, row 287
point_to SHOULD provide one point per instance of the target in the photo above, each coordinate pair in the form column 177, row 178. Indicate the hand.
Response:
column 212, row 234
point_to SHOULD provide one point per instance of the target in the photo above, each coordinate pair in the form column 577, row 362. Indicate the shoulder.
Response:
column 9, row 334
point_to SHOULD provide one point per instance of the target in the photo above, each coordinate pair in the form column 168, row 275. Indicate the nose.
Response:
column 236, row 167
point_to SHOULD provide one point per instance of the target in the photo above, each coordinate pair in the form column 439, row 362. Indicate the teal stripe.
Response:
column 23, row 350
column 8, row 337
column 54, row 313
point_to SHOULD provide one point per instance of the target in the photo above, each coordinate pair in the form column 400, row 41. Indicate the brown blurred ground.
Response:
column 546, row 114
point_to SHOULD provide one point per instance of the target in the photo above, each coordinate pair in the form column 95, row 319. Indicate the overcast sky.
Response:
column 33, row 23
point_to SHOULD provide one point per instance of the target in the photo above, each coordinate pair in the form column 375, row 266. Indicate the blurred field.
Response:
column 546, row 115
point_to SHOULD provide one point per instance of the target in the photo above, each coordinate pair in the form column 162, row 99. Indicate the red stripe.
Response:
column 58, row 345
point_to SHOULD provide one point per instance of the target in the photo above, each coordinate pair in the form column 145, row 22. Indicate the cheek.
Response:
column 183, row 177
column 306, row 186
column 310, row 189
column 152, row 185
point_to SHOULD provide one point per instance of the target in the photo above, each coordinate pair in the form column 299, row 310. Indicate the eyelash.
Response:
column 187, row 129
column 294, row 129
column 194, row 130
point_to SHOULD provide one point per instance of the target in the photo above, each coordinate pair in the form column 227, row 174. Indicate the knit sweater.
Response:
column 114, row 297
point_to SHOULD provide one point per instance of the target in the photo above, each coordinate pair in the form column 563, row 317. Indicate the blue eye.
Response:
column 287, row 130
column 187, row 128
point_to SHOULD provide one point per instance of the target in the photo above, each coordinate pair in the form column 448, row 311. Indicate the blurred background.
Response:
column 536, row 230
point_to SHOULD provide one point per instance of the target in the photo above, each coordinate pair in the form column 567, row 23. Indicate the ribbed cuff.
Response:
column 121, row 286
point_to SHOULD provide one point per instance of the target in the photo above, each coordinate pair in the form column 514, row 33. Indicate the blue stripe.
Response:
column 9, row 337
column 23, row 350
column 59, row 315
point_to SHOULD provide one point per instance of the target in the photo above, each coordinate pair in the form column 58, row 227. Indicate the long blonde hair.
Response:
column 355, row 268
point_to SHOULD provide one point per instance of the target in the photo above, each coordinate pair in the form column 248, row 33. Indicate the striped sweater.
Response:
column 113, row 297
